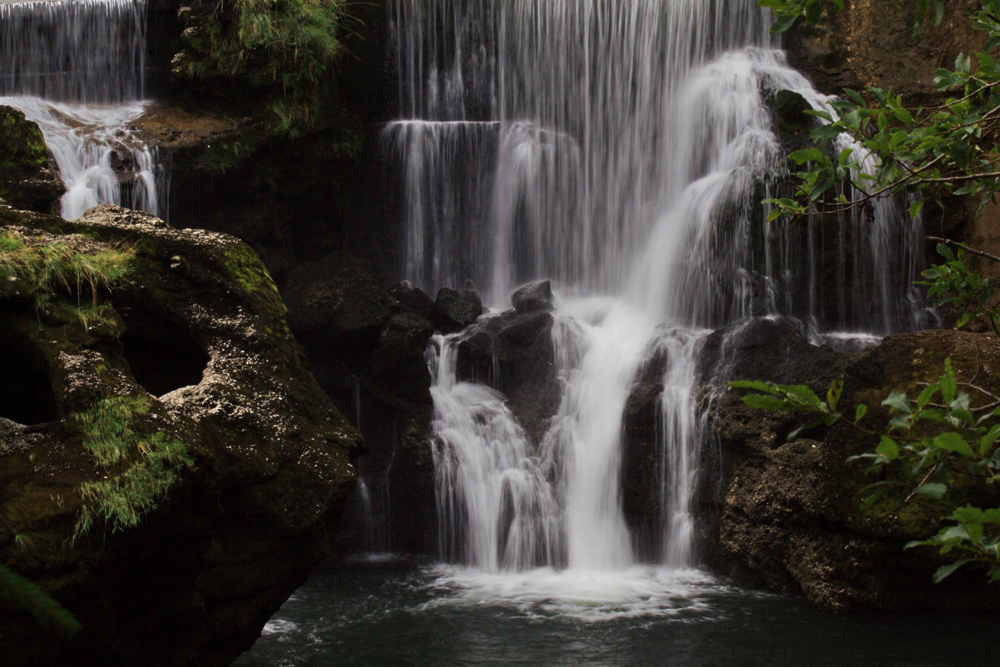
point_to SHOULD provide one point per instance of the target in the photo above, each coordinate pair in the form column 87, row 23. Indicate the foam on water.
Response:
column 581, row 594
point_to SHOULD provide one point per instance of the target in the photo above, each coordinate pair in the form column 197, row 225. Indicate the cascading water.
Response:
column 76, row 67
column 621, row 149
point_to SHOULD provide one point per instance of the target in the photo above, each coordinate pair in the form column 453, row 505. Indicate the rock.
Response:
column 871, row 42
column 366, row 347
column 453, row 310
column 793, row 124
column 337, row 301
column 514, row 354
column 533, row 297
column 399, row 364
column 413, row 300
column 789, row 516
column 27, row 180
column 640, row 482
column 199, row 576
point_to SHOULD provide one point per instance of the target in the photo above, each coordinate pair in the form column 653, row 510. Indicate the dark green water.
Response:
column 408, row 612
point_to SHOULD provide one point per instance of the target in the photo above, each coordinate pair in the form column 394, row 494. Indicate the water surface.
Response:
column 406, row 612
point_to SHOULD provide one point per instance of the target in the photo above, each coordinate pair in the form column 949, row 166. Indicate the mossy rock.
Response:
column 172, row 479
column 26, row 180
column 791, row 516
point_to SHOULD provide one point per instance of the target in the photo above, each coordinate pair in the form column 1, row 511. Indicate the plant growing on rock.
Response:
column 286, row 47
column 937, row 441
column 941, row 439
column 22, row 594
column 52, row 273
column 142, row 463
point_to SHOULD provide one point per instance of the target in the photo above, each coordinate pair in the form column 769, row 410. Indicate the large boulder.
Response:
column 193, row 369
column 789, row 515
column 533, row 297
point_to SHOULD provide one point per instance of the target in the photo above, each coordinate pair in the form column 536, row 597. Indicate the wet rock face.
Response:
column 871, row 42
column 206, row 350
column 789, row 516
column 366, row 345
column 27, row 181
column 453, row 310
column 640, row 482
column 514, row 354
column 533, row 297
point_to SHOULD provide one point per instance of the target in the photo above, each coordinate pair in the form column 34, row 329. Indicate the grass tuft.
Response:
column 143, row 464
column 54, row 272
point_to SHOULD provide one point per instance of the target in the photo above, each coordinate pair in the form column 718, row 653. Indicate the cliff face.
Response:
column 872, row 42
column 182, row 401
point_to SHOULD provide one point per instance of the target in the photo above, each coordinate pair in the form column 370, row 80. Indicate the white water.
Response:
column 76, row 68
column 621, row 149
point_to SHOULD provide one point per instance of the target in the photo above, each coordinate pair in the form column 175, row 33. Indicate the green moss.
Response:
column 144, row 463
column 21, row 143
column 245, row 267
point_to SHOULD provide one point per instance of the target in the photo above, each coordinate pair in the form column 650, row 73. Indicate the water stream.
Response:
column 76, row 67
column 621, row 149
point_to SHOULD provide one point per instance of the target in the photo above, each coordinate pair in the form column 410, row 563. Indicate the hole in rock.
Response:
column 163, row 356
column 26, row 395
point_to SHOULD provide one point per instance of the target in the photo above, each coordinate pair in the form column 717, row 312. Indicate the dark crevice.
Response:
column 162, row 355
column 26, row 395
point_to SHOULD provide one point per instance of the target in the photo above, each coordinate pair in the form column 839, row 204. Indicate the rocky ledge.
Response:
column 790, row 516
column 182, row 396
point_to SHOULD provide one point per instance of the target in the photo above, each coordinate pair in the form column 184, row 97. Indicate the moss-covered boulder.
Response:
column 790, row 516
column 169, row 469
column 26, row 179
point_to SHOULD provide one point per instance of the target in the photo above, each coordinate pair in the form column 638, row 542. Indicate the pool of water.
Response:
column 385, row 611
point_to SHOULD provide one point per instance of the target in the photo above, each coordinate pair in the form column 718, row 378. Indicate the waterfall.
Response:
column 621, row 149
column 76, row 67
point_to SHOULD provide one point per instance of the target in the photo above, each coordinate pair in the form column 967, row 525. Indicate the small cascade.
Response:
column 89, row 145
column 446, row 168
column 681, row 431
column 76, row 67
column 496, row 508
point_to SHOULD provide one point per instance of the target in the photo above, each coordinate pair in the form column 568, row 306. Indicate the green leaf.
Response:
column 934, row 490
column 898, row 401
column 860, row 413
column 807, row 155
column 762, row 402
column 953, row 442
column 833, row 394
column 783, row 24
column 802, row 394
column 916, row 207
column 888, row 448
column 752, row 384
column 945, row 571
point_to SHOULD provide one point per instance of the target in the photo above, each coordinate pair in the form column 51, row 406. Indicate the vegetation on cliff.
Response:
column 944, row 438
column 285, row 48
